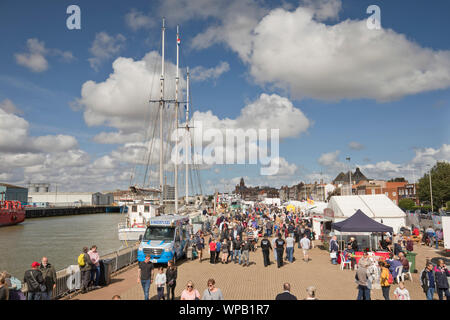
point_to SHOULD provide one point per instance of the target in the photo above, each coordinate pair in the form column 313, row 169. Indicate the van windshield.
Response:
column 159, row 233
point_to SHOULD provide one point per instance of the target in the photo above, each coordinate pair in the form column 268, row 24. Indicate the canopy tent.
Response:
column 359, row 222
column 378, row 207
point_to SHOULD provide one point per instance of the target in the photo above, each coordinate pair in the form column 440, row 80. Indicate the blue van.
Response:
column 165, row 239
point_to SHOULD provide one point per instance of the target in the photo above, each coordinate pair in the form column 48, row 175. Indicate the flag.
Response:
column 178, row 40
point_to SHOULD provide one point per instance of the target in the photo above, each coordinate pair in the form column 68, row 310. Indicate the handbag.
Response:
column 333, row 255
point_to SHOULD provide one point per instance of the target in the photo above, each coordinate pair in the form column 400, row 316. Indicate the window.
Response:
column 387, row 194
column 134, row 209
column 146, row 208
column 373, row 191
column 394, row 194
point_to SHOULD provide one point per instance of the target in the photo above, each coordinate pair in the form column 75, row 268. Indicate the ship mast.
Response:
column 161, row 109
column 176, row 121
column 187, row 146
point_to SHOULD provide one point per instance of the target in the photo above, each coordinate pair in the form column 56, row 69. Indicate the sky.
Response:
column 74, row 103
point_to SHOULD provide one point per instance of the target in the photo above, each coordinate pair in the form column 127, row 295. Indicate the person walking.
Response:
column 362, row 280
column 401, row 293
column 286, row 294
column 35, row 282
column 212, row 252
column 280, row 244
column 427, row 278
column 246, row 247
column 95, row 270
column 49, row 275
column 171, row 278
column 290, row 241
column 230, row 248
column 160, row 281
column 265, row 247
column 334, row 248
column 311, row 292
column 274, row 248
column 85, row 264
column 190, row 293
column 145, row 275
column 212, row 293
column 384, row 280
column 237, row 244
column 224, row 251
column 441, row 273
column 200, row 247
column 305, row 243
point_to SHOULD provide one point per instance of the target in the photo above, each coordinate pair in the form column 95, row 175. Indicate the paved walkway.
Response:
column 257, row 282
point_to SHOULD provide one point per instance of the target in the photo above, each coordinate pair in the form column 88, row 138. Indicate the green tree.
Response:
column 406, row 204
column 440, row 180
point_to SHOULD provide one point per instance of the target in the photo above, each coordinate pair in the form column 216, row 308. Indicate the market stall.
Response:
column 360, row 223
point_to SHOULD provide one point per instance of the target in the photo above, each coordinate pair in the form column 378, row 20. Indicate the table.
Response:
column 377, row 255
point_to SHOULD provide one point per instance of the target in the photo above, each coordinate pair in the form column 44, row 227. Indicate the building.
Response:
column 255, row 193
column 409, row 191
column 14, row 193
column 343, row 178
column 169, row 193
column 69, row 199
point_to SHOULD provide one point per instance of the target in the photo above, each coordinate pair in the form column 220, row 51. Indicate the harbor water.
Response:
column 60, row 239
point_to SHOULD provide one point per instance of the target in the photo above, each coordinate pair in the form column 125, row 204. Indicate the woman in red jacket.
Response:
column 212, row 251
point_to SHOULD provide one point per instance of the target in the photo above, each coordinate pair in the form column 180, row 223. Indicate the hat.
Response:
column 35, row 264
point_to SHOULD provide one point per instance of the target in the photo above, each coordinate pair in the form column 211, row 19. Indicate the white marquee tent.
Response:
column 378, row 207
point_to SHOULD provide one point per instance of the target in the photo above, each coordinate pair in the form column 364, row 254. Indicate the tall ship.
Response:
column 143, row 202
column 11, row 213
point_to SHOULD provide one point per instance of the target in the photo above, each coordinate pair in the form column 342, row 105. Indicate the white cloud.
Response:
column 9, row 107
column 266, row 112
column 56, row 143
column 355, row 145
column 323, row 9
column 137, row 20
column 105, row 47
column 35, row 58
column 118, row 137
column 294, row 50
column 201, row 73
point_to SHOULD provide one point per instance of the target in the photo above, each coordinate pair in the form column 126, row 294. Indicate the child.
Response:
column 401, row 293
column 160, row 281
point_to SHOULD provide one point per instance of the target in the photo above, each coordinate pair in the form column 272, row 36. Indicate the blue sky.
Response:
column 408, row 131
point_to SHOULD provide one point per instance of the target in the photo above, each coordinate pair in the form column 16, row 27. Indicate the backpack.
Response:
column 390, row 278
column 81, row 262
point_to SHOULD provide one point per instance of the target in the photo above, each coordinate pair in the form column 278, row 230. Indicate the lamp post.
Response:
column 431, row 190
column 349, row 174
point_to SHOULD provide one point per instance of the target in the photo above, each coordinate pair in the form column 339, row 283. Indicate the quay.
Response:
column 259, row 283
column 67, row 211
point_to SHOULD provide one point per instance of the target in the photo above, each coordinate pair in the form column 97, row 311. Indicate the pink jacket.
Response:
column 95, row 257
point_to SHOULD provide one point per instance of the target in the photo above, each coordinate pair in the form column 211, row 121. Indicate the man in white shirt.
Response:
column 290, row 241
column 305, row 243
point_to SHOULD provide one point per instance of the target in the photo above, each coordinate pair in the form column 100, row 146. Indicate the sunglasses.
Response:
column 190, row 286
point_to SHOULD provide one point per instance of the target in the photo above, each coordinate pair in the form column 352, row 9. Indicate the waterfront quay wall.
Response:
column 64, row 211
column 68, row 281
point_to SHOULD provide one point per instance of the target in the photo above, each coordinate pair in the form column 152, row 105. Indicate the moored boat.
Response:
column 11, row 213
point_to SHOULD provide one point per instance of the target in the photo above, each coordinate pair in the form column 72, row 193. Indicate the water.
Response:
column 60, row 239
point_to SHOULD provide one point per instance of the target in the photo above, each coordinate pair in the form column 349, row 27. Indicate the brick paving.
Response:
column 257, row 282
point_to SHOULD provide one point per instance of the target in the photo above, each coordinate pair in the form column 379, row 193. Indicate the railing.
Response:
column 69, row 280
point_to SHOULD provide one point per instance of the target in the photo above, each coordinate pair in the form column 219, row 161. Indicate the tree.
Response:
column 440, row 180
column 406, row 204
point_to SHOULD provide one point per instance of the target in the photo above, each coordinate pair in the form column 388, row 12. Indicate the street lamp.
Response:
column 431, row 190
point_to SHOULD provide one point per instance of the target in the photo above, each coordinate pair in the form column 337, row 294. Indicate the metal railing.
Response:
column 68, row 280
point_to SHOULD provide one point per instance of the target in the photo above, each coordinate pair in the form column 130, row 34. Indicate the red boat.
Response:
column 11, row 212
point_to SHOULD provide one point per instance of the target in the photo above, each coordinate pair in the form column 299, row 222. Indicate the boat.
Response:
column 11, row 213
column 143, row 203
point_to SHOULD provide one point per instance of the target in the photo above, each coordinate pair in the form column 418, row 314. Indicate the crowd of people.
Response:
column 233, row 235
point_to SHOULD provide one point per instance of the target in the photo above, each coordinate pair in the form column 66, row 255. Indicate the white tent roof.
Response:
column 374, row 206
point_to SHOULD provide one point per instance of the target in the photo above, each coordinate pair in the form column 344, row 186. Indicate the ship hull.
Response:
column 11, row 217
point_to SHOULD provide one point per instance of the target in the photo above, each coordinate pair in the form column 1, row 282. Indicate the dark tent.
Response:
column 359, row 222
